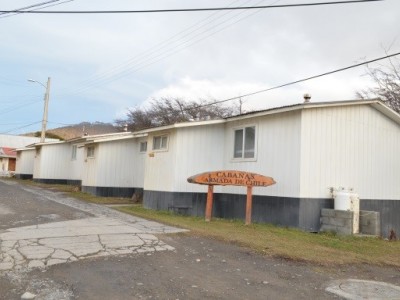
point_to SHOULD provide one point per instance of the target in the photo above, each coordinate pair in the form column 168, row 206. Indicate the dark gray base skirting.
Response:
column 58, row 181
column 24, row 176
column 389, row 211
column 102, row 191
column 282, row 211
column 303, row 213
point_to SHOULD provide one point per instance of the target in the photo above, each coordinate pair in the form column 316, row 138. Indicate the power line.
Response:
column 186, row 9
column 301, row 80
column 151, row 56
column 37, row 6
column 13, row 129
column 64, row 124
column 15, row 123
column 18, row 107
column 130, row 63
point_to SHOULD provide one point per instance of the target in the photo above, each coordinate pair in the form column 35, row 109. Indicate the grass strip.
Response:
column 288, row 243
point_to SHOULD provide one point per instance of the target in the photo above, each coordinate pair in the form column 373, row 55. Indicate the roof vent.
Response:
column 307, row 98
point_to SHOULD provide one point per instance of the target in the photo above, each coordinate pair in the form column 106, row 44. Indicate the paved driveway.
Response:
column 91, row 231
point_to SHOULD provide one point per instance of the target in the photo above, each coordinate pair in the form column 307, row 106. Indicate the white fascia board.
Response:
column 25, row 149
column 135, row 136
column 49, row 143
column 182, row 125
column 387, row 111
column 85, row 138
column 301, row 106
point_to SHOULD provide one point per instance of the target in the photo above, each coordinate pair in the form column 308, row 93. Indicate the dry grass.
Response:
column 288, row 243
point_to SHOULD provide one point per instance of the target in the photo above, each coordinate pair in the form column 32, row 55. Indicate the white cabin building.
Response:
column 308, row 149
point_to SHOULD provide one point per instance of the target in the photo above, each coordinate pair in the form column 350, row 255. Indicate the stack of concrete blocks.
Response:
column 341, row 222
column 370, row 222
column 338, row 221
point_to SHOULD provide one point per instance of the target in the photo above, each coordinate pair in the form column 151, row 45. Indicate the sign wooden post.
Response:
column 209, row 203
column 249, row 204
column 236, row 178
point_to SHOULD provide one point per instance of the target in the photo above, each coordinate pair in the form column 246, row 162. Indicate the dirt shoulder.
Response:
column 199, row 268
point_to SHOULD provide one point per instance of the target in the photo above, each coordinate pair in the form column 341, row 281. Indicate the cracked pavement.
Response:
column 99, row 231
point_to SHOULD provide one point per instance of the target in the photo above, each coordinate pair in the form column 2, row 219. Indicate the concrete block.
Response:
column 326, row 220
column 340, row 222
column 327, row 212
column 345, row 214
column 370, row 223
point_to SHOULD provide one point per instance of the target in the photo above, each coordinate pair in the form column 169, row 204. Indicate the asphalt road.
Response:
column 146, row 261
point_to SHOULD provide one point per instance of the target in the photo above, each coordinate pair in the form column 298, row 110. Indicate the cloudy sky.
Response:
column 100, row 65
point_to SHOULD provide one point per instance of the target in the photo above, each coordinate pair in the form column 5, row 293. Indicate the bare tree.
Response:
column 167, row 111
column 387, row 84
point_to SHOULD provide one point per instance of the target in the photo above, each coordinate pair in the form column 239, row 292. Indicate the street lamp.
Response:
column 46, row 105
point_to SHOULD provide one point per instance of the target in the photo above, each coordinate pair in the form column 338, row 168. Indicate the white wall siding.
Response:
column 115, row 164
column 118, row 164
column 159, row 169
column 53, row 162
column 76, row 165
column 278, row 153
column 25, row 160
column 353, row 147
column 4, row 165
column 199, row 149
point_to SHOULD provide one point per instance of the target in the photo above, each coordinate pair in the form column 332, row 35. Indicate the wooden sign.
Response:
column 236, row 178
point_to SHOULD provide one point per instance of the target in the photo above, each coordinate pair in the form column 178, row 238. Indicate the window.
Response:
column 143, row 147
column 245, row 141
column 90, row 152
column 160, row 142
column 73, row 155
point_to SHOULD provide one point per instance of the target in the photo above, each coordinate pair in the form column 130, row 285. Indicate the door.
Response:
column 11, row 164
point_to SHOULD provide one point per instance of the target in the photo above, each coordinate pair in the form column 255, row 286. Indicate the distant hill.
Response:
column 78, row 130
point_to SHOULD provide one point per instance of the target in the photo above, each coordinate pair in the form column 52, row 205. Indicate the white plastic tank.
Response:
column 342, row 200
column 348, row 200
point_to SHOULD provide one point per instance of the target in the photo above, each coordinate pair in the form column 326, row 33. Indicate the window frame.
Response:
column 74, row 152
column 161, row 136
column 243, row 128
column 91, row 153
column 140, row 146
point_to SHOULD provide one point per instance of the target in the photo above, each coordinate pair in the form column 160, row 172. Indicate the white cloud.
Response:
column 215, row 55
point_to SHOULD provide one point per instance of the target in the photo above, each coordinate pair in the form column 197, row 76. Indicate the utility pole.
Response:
column 46, row 107
column 45, row 111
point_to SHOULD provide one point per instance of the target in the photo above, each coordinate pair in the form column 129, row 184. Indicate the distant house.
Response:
column 7, row 161
column 309, row 149
column 10, row 161
column 25, row 162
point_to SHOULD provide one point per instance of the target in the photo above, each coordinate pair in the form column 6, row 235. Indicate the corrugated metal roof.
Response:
column 376, row 103
column 8, row 152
